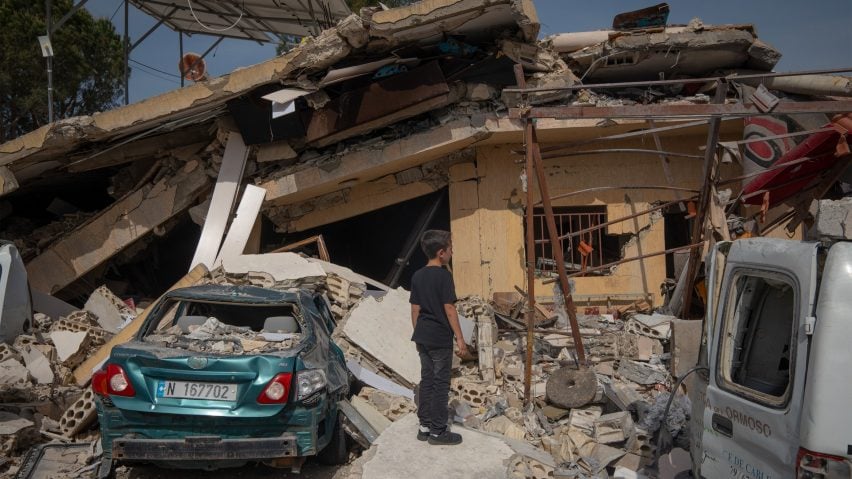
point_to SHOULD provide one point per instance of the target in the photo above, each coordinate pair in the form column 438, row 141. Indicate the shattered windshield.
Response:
column 226, row 328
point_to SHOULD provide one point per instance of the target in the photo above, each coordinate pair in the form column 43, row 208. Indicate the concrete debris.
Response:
column 37, row 364
column 111, row 312
column 369, row 412
column 211, row 335
column 13, row 373
column 833, row 220
column 69, row 346
column 289, row 270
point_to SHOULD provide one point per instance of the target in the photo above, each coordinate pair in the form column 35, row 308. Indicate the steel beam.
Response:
column 658, row 111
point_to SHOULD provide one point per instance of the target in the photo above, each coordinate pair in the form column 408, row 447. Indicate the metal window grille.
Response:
column 570, row 220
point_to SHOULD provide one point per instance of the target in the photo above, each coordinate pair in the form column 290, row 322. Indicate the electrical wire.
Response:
column 116, row 11
column 155, row 69
column 242, row 12
column 151, row 73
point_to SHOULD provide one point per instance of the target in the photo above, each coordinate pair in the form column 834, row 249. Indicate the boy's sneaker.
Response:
column 422, row 433
column 446, row 438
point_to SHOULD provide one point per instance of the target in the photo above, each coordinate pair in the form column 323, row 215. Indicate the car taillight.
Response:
column 113, row 381
column 816, row 465
column 277, row 391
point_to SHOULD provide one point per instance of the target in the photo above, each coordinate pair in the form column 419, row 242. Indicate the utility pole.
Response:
column 49, row 21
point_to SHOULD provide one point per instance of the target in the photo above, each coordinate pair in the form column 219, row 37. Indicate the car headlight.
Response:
column 309, row 382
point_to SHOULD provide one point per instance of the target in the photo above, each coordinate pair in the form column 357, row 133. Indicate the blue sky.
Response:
column 811, row 35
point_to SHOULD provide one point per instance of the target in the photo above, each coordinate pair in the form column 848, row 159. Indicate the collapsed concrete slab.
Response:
column 114, row 229
column 382, row 328
column 283, row 267
column 697, row 50
column 397, row 453
column 430, row 20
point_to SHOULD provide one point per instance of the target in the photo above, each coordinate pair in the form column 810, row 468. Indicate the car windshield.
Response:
column 227, row 328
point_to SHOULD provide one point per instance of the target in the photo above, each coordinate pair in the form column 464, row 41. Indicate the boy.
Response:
column 435, row 321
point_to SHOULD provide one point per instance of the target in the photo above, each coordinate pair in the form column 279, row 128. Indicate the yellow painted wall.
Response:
column 487, row 199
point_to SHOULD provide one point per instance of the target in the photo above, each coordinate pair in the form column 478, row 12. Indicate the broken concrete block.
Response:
column 686, row 342
column 622, row 395
column 505, row 426
column 369, row 412
column 277, row 151
column 79, row 415
column 70, row 346
column 656, row 326
column 612, row 428
column 470, row 392
column 6, row 352
column 13, row 373
column 833, row 219
column 38, row 365
column 111, row 312
column 642, row 373
column 584, row 419
column 554, row 413
column 640, row 444
column 601, row 457
column 522, row 467
column 8, row 182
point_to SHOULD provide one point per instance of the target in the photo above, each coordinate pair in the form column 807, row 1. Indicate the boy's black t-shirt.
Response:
column 431, row 288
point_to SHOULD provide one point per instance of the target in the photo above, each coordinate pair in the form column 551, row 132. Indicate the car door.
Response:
column 758, row 359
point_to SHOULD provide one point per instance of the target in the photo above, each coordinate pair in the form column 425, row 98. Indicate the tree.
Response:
column 88, row 65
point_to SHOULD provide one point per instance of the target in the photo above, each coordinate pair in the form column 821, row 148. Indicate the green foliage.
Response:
column 88, row 65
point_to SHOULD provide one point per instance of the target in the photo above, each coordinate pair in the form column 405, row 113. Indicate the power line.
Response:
column 116, row 11
column 155, row 69
column 143, row 70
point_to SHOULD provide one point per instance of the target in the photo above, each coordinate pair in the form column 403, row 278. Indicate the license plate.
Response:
column 197, row 390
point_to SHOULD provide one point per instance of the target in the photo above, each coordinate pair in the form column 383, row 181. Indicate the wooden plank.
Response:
column 84, row 372
column 114, row 229
column 243, row 224
column 222, row 202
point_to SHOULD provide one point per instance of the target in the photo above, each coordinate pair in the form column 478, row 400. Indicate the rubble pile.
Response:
column 40, row 397
column 614, row 428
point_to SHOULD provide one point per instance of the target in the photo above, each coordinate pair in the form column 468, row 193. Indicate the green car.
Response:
column 219, row 376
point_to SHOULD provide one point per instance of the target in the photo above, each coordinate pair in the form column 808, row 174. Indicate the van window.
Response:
column 758, row 337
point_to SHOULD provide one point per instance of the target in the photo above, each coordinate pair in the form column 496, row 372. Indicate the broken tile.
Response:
column 109, row 309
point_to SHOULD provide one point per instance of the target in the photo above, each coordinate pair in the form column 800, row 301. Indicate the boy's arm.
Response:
column 453, row 318
column 415, row 312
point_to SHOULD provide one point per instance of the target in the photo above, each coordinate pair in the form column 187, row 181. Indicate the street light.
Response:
column 47, row 52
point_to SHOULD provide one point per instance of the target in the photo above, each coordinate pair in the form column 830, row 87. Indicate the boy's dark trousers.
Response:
column 435, row 366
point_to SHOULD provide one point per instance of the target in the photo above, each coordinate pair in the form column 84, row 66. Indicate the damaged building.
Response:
column 393, row 121
column 394, row 114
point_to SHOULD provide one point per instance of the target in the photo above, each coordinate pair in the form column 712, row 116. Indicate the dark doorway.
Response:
column 370, row 243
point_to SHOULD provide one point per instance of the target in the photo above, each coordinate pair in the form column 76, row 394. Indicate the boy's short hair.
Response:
column 433, row 241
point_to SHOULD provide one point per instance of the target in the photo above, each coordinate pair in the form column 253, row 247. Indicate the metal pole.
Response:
column 626, row 260
column 556, row 246
column 703, row 198
column 530, row 245
column 180, row 60
column 126, row 54
column 48, row 4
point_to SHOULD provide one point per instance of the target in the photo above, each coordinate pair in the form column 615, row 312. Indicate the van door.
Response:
column 758, row 359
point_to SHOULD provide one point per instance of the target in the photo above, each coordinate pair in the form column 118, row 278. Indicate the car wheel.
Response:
column 336, row 451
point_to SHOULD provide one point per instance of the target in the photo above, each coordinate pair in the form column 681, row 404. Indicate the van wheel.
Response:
column 335, row 452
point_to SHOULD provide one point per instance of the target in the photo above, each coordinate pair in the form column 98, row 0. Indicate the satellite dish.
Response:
column 192, row 67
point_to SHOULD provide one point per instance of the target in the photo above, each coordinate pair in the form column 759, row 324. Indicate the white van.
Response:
column 776, row 398
column 15, row 302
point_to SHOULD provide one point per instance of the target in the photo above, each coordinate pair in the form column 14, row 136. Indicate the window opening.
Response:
column 758, row 344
